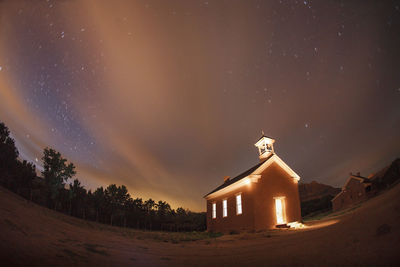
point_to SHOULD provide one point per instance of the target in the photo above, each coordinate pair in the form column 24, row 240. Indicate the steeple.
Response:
column 265, row 146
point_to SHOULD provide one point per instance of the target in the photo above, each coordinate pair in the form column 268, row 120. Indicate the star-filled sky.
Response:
column 168, row 97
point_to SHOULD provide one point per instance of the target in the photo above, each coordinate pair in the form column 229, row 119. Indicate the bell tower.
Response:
column 265, row 146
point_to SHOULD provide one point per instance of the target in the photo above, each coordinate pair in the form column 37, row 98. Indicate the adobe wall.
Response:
column 352, row 194
column 232, row 222
column 337, row 203
column 275, row 182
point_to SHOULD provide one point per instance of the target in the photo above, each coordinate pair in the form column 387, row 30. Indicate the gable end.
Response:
column 251, row 176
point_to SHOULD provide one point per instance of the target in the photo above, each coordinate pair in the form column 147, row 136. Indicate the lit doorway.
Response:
column 280, row 210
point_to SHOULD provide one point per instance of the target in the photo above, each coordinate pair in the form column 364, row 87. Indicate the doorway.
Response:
column 280, row 210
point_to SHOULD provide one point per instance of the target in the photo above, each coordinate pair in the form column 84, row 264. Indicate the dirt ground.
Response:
column 36, row 236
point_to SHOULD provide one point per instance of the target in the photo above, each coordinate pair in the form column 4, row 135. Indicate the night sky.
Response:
column 168, row 97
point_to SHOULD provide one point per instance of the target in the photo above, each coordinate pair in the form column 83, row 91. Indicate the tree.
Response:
column 8, row 157
column 111, row 200
column 163, row 211
column 123, row 199
column 76, row 196
column 180, row 217
column 8, row 150
column 116, row 199
column 25, row 173
column 99, row 201
column 56, row 172
column 149, row 209
column 89, row 207
column 136, row 210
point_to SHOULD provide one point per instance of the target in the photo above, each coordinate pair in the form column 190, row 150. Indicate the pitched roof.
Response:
column 357, row 177
column 262, row 136
column 240, row 176
column 364, row 179
column 341, row 192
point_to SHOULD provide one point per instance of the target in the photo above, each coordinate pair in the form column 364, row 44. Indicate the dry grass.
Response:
column 169, row 237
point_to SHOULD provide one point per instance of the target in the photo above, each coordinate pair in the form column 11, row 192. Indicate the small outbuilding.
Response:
column 263, row 197
column 355, row 190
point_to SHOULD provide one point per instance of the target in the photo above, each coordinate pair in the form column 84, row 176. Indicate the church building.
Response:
column 263, row 197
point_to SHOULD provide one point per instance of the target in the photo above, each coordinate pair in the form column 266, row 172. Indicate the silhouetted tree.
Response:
column 56, row 172
column 8, row 157
column 76, row 196
column 163, row 212
column 89, row 206
column 111, row 196
column 122, row 199
column 24, row 175
column 136, row 211
column 99, row 202
column 149, row 209
column 8, row 150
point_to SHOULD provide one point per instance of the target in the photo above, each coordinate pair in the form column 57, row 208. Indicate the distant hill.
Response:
column 386, row 177
column 316, row 197
column 315, row 190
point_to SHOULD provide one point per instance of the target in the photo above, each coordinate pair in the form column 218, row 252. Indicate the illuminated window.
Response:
column 238, row 204
column 214, row 210
column 224, row 208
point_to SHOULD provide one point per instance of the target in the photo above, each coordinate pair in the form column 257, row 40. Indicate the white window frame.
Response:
column 239, row 204
column 225, row 208
column 214, row 210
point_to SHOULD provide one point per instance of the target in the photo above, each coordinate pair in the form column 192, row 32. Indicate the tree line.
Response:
column 57, row 189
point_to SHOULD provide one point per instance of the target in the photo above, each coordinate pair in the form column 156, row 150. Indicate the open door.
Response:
column 280, row 210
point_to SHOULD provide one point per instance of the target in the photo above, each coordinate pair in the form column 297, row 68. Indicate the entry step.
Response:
column 282, row 226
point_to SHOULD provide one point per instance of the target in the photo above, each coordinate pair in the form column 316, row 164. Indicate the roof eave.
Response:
column 254, row 176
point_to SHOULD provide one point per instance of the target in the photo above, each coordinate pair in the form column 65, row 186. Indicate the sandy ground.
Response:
column 36, row 236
